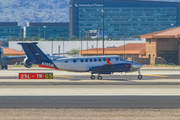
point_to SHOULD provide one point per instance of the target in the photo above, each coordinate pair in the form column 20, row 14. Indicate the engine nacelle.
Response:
column 27, row 63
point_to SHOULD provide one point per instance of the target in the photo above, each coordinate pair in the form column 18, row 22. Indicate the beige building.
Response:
column 163, row 46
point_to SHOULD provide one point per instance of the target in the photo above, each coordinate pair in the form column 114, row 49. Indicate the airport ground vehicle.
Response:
column 96, row 64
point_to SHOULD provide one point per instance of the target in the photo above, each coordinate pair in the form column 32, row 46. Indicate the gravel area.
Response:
column 89, row 114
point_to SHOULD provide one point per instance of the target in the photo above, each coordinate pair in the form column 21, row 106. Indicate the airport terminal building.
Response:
column 122, row 18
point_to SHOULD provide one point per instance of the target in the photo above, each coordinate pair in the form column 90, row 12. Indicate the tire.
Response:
column 99, row 77
column 5, row 67
column 140, row 77
column 92, row 77
column 2, row 67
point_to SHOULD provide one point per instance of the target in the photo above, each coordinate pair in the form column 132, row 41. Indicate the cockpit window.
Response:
column 74, row 61
column 82, row 60
column 99, row 59
column 66, row 61
column 86, row 60
column 95, row 60
column 121, row 59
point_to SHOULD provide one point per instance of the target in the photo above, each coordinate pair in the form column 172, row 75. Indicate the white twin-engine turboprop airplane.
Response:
column 95, row 65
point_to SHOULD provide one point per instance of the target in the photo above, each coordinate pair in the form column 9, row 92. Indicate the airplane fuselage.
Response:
column 84, row 64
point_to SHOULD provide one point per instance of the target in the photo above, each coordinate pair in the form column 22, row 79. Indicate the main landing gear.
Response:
column 140, row 76
column 4, row 67
column 93, row 77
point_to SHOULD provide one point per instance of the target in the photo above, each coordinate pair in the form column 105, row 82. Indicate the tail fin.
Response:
column 35, row 55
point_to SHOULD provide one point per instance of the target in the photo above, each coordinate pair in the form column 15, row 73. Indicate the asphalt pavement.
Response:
column 90, row 102
column 159, row 88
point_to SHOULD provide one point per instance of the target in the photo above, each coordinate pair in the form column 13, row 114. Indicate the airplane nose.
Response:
column 136, row 66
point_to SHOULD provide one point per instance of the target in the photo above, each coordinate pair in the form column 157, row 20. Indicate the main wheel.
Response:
column 92, row 77
column 2, row 67
column 5, row 67
column 99, row 77
column 140, row 77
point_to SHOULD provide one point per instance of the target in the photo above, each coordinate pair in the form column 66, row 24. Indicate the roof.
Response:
column 12, row 52
column 131, row 48
column 168, row 33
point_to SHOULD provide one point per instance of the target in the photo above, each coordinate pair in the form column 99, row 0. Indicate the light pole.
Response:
column 63, row 46
column 21, row 34
column 53, row 40
column 87, row 43
column 44, row 32
column 103, row 26
column 81, row 41
column 124, row 48
column 97, row 41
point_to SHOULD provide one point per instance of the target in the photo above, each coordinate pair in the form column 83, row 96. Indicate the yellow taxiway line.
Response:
column 155, row 75
column 63, row 76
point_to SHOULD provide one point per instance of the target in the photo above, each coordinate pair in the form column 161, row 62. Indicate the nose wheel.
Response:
column 140, row 76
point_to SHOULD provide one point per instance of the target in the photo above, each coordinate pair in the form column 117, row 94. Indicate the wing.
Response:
column 109, row 68
column 11, row 60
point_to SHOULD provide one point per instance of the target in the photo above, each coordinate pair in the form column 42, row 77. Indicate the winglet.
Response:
column 108, row 62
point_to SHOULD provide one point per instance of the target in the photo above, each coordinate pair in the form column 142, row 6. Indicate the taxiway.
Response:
column 160, row 88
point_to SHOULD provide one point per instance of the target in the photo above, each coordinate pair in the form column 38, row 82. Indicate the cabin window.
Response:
column 117, row 58
column 99, row 59
column 74, row 61
column 95, row 60
column 82, row 60
column 104, row 59
column 86, row 60
column 66, row 61
column 90, row 60
column 109, row 59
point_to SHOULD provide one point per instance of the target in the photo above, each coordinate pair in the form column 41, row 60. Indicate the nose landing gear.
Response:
column 139, row 76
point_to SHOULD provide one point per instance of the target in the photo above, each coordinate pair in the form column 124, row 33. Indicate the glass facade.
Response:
column 47, row 30
column 123, row 18
column 10, row 31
